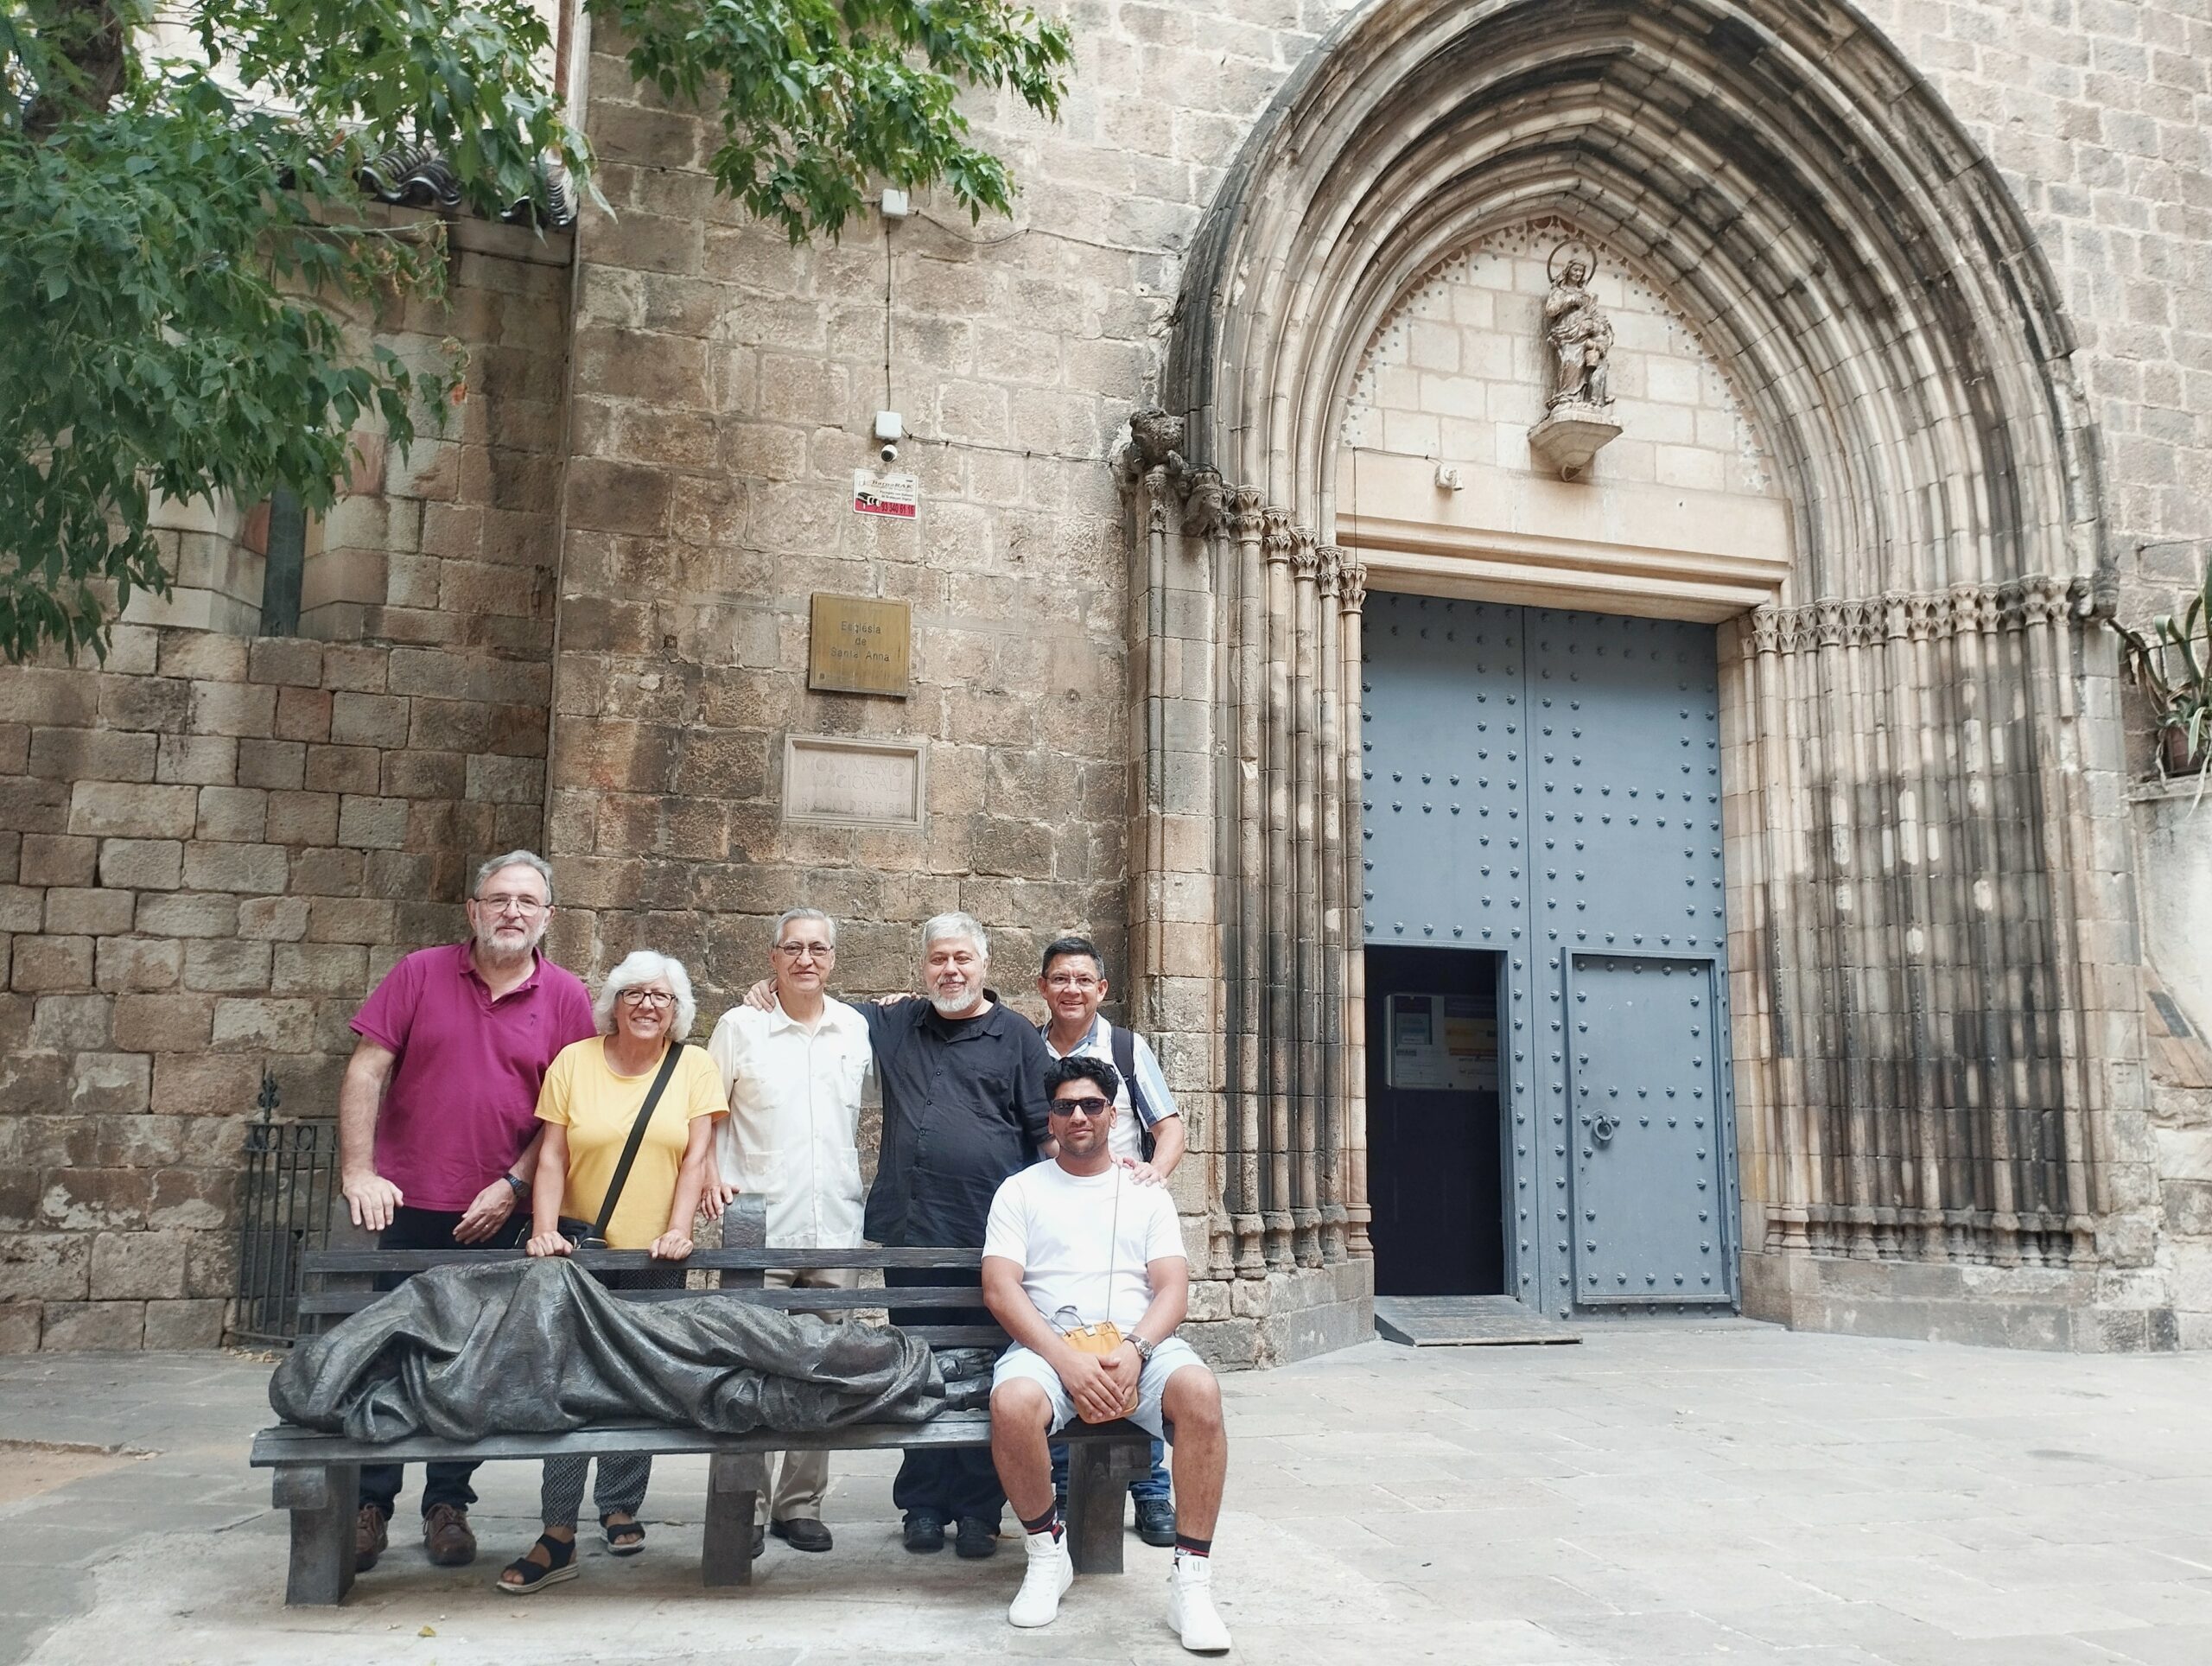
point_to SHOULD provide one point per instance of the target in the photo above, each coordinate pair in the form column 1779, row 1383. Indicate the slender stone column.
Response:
column 1307, row 997
column 1334, row 1092
column 1248, row 958
column 1352, row 597
column 1281, row 894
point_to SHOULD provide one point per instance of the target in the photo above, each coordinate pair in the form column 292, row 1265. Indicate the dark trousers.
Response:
column 1153, row 1487
column 431, row 1229
column 958, row 1483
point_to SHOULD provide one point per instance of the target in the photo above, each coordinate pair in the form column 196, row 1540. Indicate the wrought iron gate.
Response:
column 291, row 1187
column 1547, row 784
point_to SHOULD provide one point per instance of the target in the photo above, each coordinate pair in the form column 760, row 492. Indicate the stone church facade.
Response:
column 1219, row 446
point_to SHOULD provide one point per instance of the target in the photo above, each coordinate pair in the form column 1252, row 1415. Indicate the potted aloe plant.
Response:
column 2173, row 668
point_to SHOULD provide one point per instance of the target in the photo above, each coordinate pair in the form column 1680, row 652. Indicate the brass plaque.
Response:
column 858, row 645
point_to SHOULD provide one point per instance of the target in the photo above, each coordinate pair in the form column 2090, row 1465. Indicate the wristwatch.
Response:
column 1144, row 1348
column 521, row 1186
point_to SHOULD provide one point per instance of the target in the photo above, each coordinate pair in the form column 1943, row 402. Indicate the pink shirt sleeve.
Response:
column 389, row 1013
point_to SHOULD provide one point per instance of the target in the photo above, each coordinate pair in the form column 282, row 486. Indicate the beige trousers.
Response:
column 795, row 1485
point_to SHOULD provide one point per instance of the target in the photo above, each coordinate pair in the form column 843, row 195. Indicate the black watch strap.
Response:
column 521, row 1186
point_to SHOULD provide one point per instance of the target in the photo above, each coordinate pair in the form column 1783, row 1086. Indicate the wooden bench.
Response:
column 317, row 1476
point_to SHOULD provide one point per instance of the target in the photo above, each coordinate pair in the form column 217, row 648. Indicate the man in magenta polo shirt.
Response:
column 437, row 1123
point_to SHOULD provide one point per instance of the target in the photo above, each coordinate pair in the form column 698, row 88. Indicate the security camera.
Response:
column 890, row 429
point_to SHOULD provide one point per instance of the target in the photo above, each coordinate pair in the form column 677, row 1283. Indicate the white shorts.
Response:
column 1169, row 1357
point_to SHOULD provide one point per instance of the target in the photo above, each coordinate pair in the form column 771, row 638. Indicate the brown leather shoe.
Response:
column 370, row 1537
column 447, row 1536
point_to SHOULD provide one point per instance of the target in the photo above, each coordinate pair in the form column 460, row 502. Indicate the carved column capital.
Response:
column 1244, row 510
column 1352, row 581
column 1159, row 488
column 1766, row 629
column 1277, row 533
column 1305, row 554
column 1332, row 561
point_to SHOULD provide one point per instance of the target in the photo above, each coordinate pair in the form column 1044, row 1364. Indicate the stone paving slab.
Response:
column 1712, row 1493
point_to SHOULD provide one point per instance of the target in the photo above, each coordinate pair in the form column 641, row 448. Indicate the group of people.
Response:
column 492, row 1100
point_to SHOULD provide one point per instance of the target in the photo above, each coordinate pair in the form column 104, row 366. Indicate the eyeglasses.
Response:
column 1092, row 1106
column 1070, row 981
column 523, row 905
column 806, row 950
column 647, row 998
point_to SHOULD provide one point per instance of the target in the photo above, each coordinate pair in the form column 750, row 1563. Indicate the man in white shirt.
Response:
column 1075, row 1242
column 794, row 1076
column 1146, row 1137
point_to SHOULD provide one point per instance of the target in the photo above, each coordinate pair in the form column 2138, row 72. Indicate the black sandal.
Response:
column 626, row 1540
column 562, row 1564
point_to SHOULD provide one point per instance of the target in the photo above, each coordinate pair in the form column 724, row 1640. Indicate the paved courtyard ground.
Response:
column 1724, row 1493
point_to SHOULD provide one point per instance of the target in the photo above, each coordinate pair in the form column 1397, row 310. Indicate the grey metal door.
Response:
column 1546, row 783
column 1648, row 1169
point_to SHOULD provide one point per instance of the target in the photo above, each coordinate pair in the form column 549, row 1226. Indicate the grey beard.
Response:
column 952, row 1007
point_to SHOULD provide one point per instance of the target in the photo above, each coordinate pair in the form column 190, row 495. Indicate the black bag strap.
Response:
column 1122, row 1044
column 637, row 1138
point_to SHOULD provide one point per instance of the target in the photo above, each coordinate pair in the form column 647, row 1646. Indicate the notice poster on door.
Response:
column 1442, row 1043
column 1470, row 1045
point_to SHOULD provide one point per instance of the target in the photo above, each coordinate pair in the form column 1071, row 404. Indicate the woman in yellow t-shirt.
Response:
column 589, row 1101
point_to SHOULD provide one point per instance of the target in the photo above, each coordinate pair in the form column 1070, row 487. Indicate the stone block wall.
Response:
column 210, row 850
column 724, row 391
column 455, row 543
column 212, row 844
column 2098, row 116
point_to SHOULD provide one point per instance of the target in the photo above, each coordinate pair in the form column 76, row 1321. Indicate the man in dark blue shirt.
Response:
column 964, row 1108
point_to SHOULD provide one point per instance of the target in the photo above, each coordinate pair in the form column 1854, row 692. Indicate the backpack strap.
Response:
column 1122, row 1044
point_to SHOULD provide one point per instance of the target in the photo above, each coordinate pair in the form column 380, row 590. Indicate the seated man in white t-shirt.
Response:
column 1072, row 1241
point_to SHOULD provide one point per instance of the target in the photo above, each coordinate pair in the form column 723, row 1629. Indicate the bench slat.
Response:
column 286, row 1444
column 416, row 1261
column 351, row 1301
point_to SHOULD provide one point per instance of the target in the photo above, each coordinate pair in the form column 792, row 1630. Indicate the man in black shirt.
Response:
column 963, row 1106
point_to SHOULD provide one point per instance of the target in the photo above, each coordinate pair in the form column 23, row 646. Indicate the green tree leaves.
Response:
column 814, row 96
column 179, row 261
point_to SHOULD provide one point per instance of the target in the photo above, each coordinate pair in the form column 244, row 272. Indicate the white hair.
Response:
column 828, row 925
column 643, row 966
column 957, row 924
column 529, row 859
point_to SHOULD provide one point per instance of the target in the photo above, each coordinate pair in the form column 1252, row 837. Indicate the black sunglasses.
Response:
column 1091, row 1106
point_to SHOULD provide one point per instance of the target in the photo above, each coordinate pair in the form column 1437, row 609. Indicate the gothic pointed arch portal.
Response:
column 1930, row 1059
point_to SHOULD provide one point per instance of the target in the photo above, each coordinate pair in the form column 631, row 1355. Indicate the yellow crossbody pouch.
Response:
column 1103, row 1338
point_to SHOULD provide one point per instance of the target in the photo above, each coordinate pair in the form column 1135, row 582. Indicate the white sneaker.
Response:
column 1045, row 1580
column 1190, row 1606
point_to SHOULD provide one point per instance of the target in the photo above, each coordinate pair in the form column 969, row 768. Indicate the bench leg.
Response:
column 734, row 1482
column 324, row 1499
column 1094, row 1516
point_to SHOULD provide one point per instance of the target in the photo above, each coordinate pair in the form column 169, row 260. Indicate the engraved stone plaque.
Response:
column 853, row 783
column 859, row 644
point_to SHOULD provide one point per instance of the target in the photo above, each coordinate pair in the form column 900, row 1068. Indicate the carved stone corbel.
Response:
column 1204, row 511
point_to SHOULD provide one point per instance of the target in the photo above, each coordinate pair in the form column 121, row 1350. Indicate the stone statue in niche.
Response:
column 1579, row 404
column 1581, row 339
